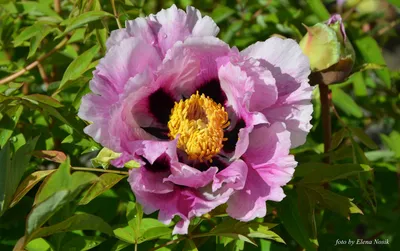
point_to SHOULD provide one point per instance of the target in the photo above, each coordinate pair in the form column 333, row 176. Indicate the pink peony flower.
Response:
column 208, row 124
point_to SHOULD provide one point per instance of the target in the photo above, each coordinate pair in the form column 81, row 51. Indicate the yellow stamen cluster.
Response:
column 200, row 123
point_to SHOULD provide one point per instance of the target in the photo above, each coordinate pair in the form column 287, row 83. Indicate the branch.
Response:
column 57, row 6
column 34, row 64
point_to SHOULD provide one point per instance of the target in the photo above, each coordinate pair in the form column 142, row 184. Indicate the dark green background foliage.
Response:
column 49, row 201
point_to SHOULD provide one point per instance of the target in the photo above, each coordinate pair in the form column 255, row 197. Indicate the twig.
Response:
column 388, row 27
column 89, row 169
column 116, row 14
column 325, row 97
column 34, row 64
column 43, row 75
column 57, row 6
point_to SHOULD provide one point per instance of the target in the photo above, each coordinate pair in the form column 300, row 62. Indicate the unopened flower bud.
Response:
column 330, row 52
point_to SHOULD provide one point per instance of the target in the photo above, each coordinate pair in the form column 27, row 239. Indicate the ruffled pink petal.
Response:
column 237, row 86
column 183, row 202
column 191, row 63
column 267, row 142
column 123, row 61
column 116, row 37
column 150, row 182
column 251, row 120
column 290, row 68
column 171, row 25
column 124, row 124
column 249, row 203
column 184, row 175
column 268, row 155
column 234, row 176
column 264, row 90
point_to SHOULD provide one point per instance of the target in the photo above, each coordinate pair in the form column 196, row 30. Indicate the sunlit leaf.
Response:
column 86, row 18
column 104, row 182
column 346, row 103
column 28, row 183
column 371, row 52
column 79, row 65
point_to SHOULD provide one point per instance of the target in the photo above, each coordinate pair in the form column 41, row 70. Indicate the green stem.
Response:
column 116, row 14
column 89, row 169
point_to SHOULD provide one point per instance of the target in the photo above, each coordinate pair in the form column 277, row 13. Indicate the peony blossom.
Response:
column 209, row 124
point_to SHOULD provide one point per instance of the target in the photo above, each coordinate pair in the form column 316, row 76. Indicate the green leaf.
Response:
column 82, row 179
column 134, row 215
column 221, row 12
column 120, row 245
column 44, row 210
column 360, row 89
column 392, row 141
column 290, row 218
column 27, row 184
column 44, row 99
column 306, row 204
column 363, row 137
column 334, row 172
column 9, row 122
column 11, row 170
column 30, row 32
column 245, row 231
column 86, row 18
column 59, row 180
column 104, row 182
column 332, row 201
column 365, row 179
column 38, row 245
column 379, row 154
column 259, row 230
column 104, row 157
column 358, row 154
column 62, row 179
column 337, row 138
column 76, row 222
column 39, row 36
column 371, row 52
column 189, row 245
column 305, row 169
column 346, row 103
column 151, row 229
column 5, row 186
column 79, row 66
column 395, row 3
column 82, row 243
column 319, row 9
column 125, row 234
